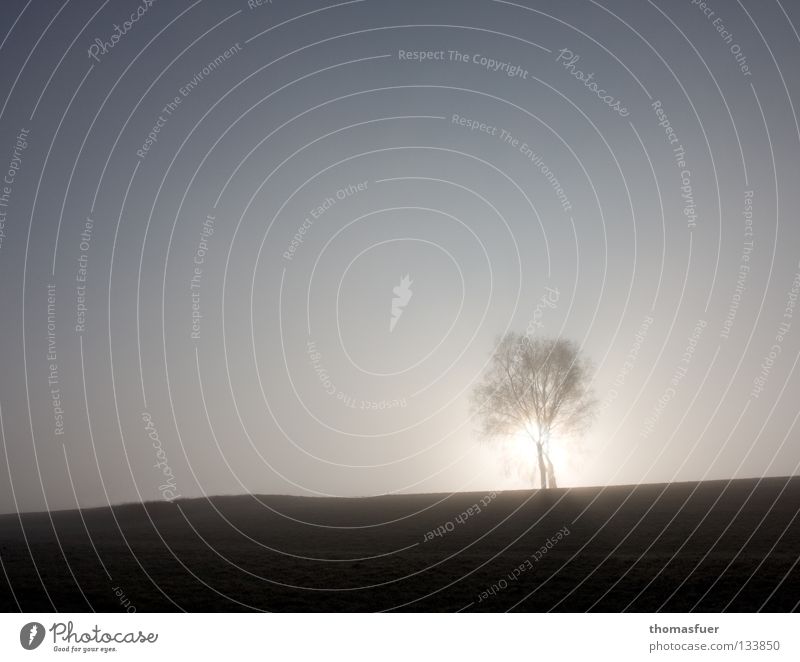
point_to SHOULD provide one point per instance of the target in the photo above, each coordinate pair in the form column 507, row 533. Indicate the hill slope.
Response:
column 706, row 546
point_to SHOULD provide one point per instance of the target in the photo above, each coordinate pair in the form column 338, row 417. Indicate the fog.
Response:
column 269, row 248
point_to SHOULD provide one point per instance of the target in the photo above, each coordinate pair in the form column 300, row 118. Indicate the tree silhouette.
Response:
column 539, row 386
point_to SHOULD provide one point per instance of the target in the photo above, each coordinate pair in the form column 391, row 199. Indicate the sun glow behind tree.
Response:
column 535, row 391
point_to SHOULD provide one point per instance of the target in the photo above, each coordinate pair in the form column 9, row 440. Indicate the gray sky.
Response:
column 211, row 209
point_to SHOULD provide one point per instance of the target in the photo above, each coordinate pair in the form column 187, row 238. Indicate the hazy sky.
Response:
column 207, row 209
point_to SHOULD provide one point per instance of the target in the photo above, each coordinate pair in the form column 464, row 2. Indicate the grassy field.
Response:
column 707, row 546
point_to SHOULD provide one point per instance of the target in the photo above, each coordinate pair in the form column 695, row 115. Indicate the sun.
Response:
column 520, row 457
column 522, row 452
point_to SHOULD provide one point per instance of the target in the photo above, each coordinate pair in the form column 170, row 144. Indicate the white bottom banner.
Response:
column 379, row 637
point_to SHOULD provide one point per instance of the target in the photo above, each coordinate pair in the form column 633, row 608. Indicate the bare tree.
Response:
column 539, row 386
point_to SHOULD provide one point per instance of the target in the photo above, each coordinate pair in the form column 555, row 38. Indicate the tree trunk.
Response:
column 551, row 472
column 542, row 468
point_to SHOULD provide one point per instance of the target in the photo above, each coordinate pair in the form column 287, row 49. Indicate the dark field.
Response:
column 708, row 546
